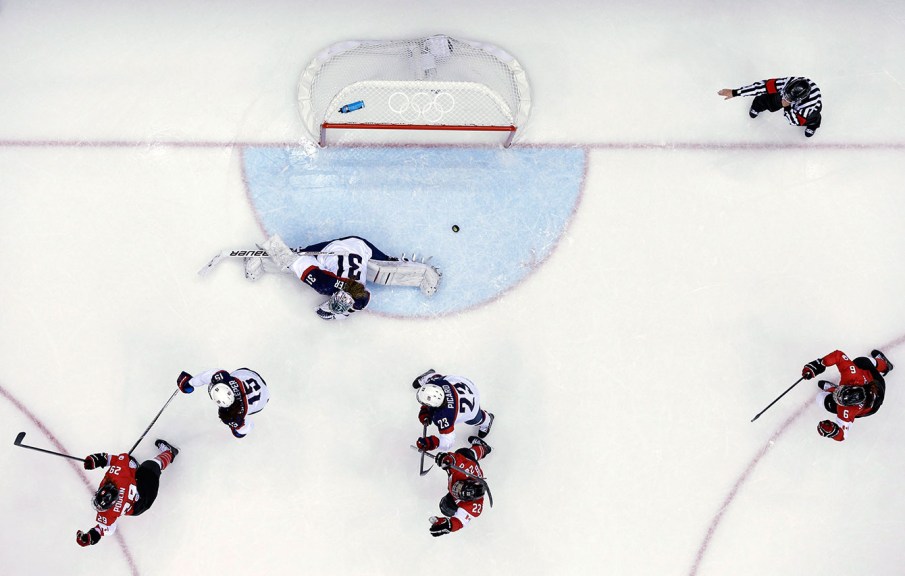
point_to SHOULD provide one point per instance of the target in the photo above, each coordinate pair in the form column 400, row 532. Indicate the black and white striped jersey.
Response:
column 797, row 114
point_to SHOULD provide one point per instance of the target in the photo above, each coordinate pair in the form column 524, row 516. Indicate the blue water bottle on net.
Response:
column 352, row 107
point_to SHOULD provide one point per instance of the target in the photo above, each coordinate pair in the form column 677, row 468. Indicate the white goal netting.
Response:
column 434, row 83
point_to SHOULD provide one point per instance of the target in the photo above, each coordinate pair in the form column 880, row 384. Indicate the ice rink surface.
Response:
column 708, row 257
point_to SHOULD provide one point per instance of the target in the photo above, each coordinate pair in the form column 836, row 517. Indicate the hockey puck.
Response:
column 455, row 228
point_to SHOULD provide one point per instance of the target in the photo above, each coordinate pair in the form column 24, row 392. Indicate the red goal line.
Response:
column 328, row 125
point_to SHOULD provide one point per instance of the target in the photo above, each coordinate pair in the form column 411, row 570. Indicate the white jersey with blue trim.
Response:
column 254, row 391
column 461, row 405
column 344, row 258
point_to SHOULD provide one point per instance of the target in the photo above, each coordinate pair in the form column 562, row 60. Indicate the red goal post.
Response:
column 428, row 84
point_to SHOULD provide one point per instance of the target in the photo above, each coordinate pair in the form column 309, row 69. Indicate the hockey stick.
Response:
column 21, row 436
column 423, row 454
column 249, row 253
column 467, row 473
column 153, row 421
column 777, row 399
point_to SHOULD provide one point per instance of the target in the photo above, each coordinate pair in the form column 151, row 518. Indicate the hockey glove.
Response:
column 812, row 369
column 98, row 460
column 424, row 415
column 427, row 443
column 424, row 379
column 440, row 526
column 88, row 538
column 183, row 382
column 828, row 429
column 444, row 460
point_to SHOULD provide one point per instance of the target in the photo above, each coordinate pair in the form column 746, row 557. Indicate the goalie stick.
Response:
column 21, row 436
column 463, row 471
column 248, row 253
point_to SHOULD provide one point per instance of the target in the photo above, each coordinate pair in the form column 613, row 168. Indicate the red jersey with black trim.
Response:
column 849, row 375
column 121, row 472
column 467, row 509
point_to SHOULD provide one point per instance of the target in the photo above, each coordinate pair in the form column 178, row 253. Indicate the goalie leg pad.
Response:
column 404, row 273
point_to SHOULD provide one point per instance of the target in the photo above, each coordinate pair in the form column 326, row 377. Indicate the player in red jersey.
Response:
column 127, row 489
column 859, row 393
column 465, row 499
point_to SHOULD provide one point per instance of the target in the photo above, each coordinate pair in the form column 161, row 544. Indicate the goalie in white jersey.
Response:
column 340, row 269
column 238, row 394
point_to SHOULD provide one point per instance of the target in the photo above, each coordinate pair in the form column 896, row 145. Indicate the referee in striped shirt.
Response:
column 796, row 96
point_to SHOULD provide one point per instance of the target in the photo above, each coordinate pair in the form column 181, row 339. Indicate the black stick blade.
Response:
column 19, row 438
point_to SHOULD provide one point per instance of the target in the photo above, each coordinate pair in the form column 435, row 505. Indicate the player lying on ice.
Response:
column 340, row 269
column 858, row 394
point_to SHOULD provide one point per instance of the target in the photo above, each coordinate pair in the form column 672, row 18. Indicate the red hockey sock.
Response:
column 164, row 459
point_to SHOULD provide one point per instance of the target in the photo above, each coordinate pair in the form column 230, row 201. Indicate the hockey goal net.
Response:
column 428, row 84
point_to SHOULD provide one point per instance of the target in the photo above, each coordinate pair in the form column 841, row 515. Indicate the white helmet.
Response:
column 222, row 394
column 430, row 395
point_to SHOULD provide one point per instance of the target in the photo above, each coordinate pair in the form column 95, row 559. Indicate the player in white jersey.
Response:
column 340, row 269
column 341, row 266
column 238, row 394
column 445, row 402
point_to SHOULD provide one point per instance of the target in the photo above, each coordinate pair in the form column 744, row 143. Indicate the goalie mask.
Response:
column 467, row 490
column 341, row 302
column 105, row 496
column 222, row 394
column 430, row 395
column 850, row 395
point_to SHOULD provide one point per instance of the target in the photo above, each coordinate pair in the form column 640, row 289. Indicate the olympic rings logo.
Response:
column 430, row 107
